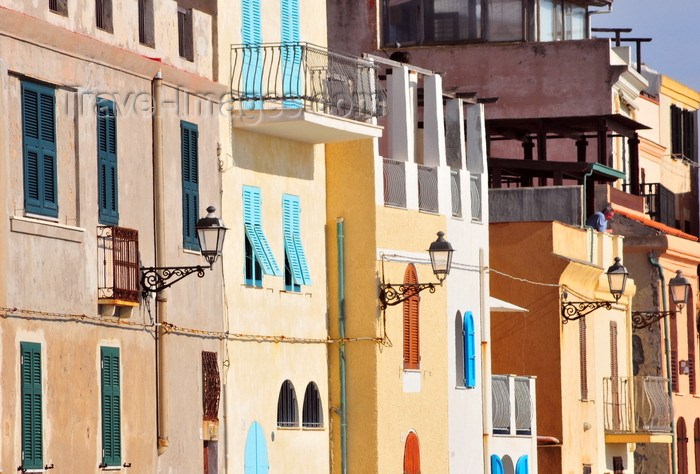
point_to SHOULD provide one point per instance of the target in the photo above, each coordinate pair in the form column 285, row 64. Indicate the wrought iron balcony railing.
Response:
column 118, row 261
column 636, row 405
column 273, row 76
column 511, row 395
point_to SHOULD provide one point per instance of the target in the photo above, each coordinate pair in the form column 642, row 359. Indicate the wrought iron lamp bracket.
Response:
column 644, row 319
column 155, row 279
column 390, row 295
column 573, row 310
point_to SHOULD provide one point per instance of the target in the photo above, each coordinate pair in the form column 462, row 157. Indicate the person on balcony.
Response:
column 599, row 220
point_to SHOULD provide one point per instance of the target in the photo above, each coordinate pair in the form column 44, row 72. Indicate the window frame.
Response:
column 39, row 139
column 107, row 163
column 189, row 146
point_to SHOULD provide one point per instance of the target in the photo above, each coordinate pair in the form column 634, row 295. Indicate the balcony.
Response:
column 636, row 410
column 513, row 405
column 305, row 93
column 118, row 266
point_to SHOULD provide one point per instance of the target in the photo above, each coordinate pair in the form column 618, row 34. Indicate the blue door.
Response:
column 255, row 459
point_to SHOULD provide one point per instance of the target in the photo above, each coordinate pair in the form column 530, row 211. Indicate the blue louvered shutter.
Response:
column 111, row 409
column 251, row 35
column 496, row 465
column 291, row 216
column 255, row 460
column 252, row 222
column 107, row 162
column 291, row 52
column 190, row 184
column 523, row 466
column 32, row 431
column 39, row 142
column 469, row 350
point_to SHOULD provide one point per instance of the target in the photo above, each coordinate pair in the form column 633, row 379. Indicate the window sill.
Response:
column 288, row 428
column 111, row 468
column 52, row 230
column 309, row 428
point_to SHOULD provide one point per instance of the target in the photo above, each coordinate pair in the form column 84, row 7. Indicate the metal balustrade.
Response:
column 427, row 189
column 394, row 183
column 500, row 404
column 636, row 405
column 304, row 76
column 523, row 406
column 118, row 261
column 512, row 405
column 456, row 188
column 475, row 192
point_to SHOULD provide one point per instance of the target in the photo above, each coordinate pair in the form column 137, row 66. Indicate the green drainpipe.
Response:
column 341, row 334
column 667, row 348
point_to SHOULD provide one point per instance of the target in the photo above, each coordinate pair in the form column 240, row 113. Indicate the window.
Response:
column 505, row 20
column 107, row 163
column 190, row 184
column 287, row 409
column 411, row 313
column 146, row 27
column 59, row 6
column 469, row 351
column 312, row 413
column 684, row 133
column 258, row 255
column 682, row 449
column 32, row 432
column 118, row 256
column 39, row 149
column 411, row 454
column 296, row 271
column 211, row 386
column 103, row 15
column 111, row 407
column 184, row 33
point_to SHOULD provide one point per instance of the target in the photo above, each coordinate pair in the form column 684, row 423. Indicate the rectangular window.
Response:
column 296, row 269
column 259, row 257
column 111, row 407
column 146, row 26
column 505, row 20
column 59, row 6
column 184, row 33
column 32, row 432
column 103, row 15
column 107, row 162
column 189, row 137
column 39, row 149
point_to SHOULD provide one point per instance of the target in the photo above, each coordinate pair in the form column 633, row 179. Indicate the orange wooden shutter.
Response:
column 411, row 455
column 411, row 333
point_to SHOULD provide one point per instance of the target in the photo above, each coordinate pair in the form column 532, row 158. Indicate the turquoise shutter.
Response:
column 32, row 432
column 291, row 214
column 111, row 410
column 523, row 466
column 252, row 222
column 291, row 51
column 496, row 465
column 190, row 184
column 255, row 459
column 107, row 162
column 469, row 350
column 251, row 35
column 39, row 142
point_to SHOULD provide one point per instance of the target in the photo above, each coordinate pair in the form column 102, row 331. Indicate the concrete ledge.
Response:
column 663, row 438
column 25, row 225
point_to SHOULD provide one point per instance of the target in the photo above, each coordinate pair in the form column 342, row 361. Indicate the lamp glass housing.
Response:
column 441, row 256
column 617, row 279
column 678, row 287
column 211, row 233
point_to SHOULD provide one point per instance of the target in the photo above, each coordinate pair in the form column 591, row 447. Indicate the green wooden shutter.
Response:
column 190, row 184
column 291, row 216
column 39, row 149
column 111, row 410
column 107, row 162
column 32, row 432
column 252, row 222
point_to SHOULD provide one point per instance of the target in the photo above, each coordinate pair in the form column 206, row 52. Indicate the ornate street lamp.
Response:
column 617, row 280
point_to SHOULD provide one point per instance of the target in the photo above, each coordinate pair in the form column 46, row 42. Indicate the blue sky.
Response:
column 673, row 25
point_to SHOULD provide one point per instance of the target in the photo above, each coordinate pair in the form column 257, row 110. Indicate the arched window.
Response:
column 523, row 466
column 255, row 460
column 411, row 455
column 469, row 350
column 496, row 465
column 460, row 381
column 411, row 313
column 287, row 409
column 682, row 438
column 312, row 413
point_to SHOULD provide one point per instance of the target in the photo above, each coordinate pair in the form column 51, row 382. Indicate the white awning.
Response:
column 504, row 306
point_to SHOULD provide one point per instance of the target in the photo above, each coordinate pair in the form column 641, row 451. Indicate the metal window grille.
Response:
column 475, row 192
column 118, row 260
column 456, row 193
column 312, row 413
column 211, row 386
column 523, row 406
column 287, row 408
column 394, row 183
column 427, row 189
column 500, row 398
